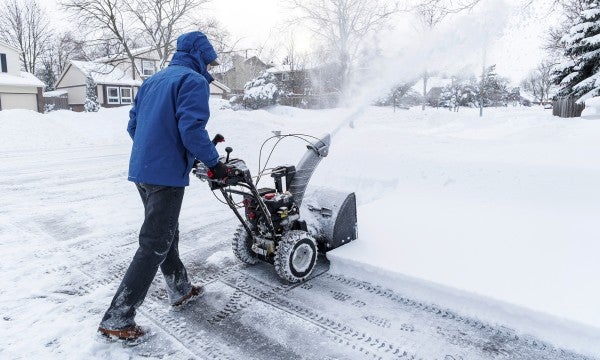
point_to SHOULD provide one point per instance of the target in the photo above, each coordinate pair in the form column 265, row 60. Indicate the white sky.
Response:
column 266, row 22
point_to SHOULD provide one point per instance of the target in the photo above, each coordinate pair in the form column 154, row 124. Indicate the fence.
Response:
column 567, row 108
column 56, row 100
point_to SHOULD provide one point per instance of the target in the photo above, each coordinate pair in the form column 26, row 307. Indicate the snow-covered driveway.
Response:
column 68, row 228
column 72, row 230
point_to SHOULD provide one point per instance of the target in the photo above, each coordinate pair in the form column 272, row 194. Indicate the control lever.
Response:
column 228, row 150
column 217, row 139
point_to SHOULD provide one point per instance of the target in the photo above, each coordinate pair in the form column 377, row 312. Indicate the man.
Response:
column 167, row 124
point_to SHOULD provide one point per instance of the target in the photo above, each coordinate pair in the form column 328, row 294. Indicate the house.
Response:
column 240, row 71
column 147, row 63
column 114, row 87
column 307, row 85
column 117, row 79
column 298, row 81
column 18, row 89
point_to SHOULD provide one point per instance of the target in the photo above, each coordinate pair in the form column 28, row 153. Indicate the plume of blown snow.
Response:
column 458, row 43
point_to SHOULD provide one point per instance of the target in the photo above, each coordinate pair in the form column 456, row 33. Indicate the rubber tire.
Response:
column 288, row 244
column 242, row 247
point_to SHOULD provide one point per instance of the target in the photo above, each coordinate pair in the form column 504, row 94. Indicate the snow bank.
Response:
column 29, row 130
column 592, row 109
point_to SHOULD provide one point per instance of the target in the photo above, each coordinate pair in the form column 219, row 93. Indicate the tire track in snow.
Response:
column 367, row 344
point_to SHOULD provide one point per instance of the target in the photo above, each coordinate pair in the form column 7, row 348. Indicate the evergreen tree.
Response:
column 91, row 99
column 514, row 96
column 579, row 77
column 494, row 88
column 48, row 77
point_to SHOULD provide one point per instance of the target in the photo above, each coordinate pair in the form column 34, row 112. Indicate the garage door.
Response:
column 18, row 101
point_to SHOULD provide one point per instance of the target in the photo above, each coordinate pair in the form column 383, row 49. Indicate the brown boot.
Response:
column 129, row 333
column 196, row 291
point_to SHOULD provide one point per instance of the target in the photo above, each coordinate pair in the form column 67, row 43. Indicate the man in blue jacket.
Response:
column 167, row 124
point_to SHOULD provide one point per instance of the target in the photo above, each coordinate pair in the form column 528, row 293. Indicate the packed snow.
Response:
column 494, row 217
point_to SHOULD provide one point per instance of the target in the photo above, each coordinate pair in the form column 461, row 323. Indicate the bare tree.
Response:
column 293, row 58
column 343, row 25
column 161, row 21
column 571, row 10
column 539, row 82
column 225, row 45
column 109, row 16
column 59, row 50
column 130, row 22
column 63, row 48
column 24, row 25
column 295, row 62
column 431, row 13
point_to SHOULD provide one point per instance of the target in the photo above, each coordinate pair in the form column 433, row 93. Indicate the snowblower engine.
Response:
column 272, row 228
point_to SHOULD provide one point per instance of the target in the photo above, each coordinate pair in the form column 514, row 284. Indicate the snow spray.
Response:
column 454, row 46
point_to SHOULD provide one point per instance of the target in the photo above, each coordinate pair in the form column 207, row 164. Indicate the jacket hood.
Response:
column 194, row 51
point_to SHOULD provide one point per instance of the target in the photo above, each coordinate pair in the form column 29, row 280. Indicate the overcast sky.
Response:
column 515, row 47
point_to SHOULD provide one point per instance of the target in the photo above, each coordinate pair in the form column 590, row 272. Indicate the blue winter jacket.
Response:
column 167, row 121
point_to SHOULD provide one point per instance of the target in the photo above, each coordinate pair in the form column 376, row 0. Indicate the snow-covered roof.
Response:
column 10, row 46
column 123, row 55
column 105, row 73
column 56, row 93
column 221, row 86
column 25, row 79
column 227, row 66
column 278, row 69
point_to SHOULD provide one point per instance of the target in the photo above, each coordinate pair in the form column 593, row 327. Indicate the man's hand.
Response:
column 218, row 172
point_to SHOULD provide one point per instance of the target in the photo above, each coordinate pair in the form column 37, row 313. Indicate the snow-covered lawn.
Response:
column 496, row 217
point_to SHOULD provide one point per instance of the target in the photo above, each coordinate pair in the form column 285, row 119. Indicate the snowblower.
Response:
column 272, row 227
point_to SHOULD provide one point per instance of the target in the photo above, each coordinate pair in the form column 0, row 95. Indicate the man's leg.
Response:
column 162, row 205
column 176, row 279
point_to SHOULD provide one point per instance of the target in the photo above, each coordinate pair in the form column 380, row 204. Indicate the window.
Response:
column 126, row 95
column 112, row 95
column 148, row 67
column 285, row 76
column 119, row 95
column 3, row 65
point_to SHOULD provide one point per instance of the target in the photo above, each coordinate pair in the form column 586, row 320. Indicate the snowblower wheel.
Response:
column 242, row 246
column 296, row 256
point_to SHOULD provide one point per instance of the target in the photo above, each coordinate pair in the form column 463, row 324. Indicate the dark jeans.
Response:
column 159, row 240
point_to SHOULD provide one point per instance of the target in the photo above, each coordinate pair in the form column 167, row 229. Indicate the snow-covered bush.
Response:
column 48, row 108
column 461, row 92
column 262, row 91
column 91, row 99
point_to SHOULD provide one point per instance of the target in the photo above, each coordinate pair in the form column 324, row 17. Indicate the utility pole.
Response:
column 482, row 85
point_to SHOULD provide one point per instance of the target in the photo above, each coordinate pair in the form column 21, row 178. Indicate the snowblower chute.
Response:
column 272, row 228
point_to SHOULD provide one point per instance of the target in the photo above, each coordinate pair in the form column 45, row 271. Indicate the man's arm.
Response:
column 192, row 114
column 132, row 119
